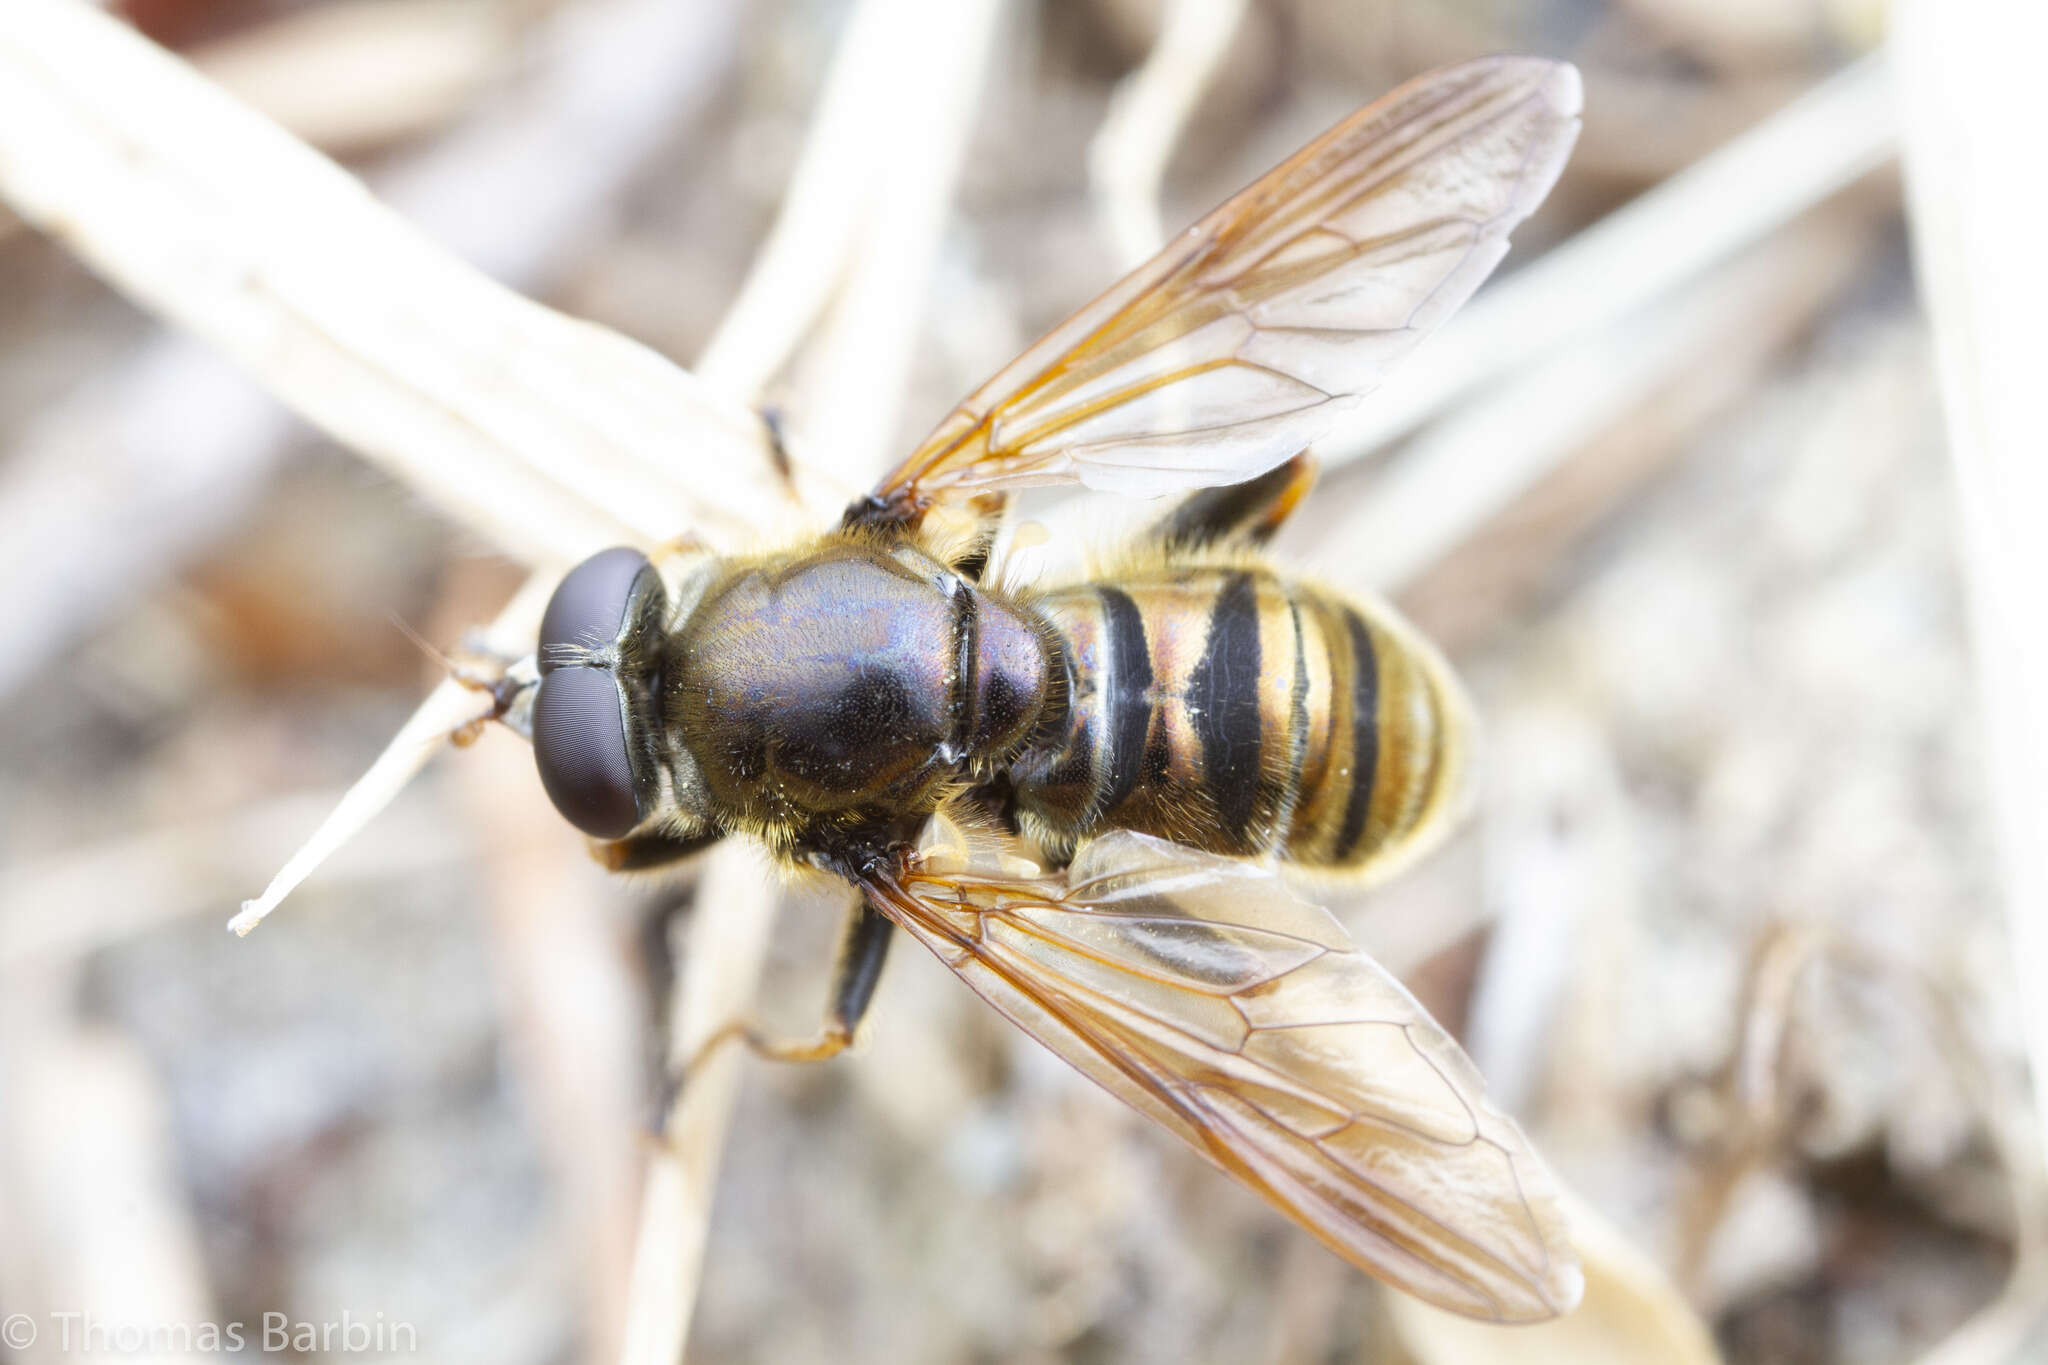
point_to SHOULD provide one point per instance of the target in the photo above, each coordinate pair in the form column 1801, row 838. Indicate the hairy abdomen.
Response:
column 1233, row 710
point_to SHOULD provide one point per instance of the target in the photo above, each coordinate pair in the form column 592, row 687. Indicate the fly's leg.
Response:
column 1250, row 511
column 863, row 948
column 969, row 529
column 862, row 951
column 777, row 429
column 645, row 852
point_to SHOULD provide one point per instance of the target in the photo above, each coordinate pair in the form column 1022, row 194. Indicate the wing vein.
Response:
column 1324, row 1086
column 1417, row 192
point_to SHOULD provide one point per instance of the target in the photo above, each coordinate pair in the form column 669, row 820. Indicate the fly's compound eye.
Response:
column 580, row 726
column 579, row 744
column 588, row 610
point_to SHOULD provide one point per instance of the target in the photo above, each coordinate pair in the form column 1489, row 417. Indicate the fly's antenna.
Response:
column 491, row 674
column 426, row 646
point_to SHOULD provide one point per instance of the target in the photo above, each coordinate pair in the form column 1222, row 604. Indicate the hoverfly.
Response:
column 1163, row 739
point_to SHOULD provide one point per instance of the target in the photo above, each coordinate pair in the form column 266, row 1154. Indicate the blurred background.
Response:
column 1725, row 932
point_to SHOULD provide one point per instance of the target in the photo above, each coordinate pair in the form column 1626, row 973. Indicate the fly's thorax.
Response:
column 850, row 681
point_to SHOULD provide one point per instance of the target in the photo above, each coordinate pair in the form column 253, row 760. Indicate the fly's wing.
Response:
column 1204, row 993
column 1245, row 339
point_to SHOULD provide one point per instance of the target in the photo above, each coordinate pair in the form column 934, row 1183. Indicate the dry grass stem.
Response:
column 68, row 905
column 160, row 457
column 1966, row 75
column 1472, row 591
column 164, row 453
column 343, row 310
column 307, row 69
column 575, row 1017
column 830, row 200
column 1577, row 292
column 449, row 707
column 722, row 948
column 1752, row 1092
column 1470, row 468
column 855, row 372
column 1716, row 935
column 603, row 88
column 1562, row 907
column 90, row 1165
column 1128, row 155
column 550, row 436
column 1631, row 1313
column 1825, row 140
column 856, row 368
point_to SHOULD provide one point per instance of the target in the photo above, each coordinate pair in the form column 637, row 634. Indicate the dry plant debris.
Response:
column 1727, row 930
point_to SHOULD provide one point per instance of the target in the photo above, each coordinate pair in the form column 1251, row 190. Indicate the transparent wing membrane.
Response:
column 1205, row 993
column 1252, row 332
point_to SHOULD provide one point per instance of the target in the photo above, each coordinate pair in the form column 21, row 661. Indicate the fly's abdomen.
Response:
column 1232, row 710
